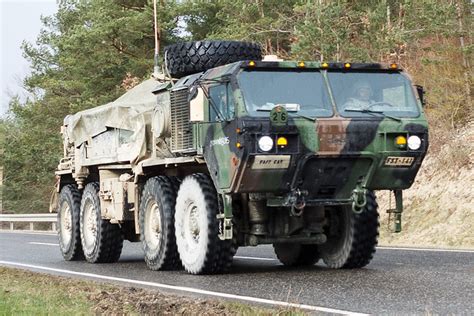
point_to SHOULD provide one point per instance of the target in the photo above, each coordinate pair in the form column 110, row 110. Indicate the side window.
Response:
column 230, row 102
column 223, row 100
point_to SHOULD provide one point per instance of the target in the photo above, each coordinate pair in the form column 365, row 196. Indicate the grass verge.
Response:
column 36, row 294
column 23, row 292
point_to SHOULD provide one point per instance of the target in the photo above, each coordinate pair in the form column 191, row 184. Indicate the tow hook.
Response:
column 359, row 199
column 297, row 202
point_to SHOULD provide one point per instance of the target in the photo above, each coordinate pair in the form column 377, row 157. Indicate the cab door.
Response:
column 218, row 136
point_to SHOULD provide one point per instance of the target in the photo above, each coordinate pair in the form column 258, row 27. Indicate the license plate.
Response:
column 271, row 162
column 399, row 161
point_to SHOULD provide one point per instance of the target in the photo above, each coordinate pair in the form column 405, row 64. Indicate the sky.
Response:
column 19, row 21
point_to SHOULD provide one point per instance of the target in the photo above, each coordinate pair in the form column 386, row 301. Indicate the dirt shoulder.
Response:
column 439, row 208
column 24, row 292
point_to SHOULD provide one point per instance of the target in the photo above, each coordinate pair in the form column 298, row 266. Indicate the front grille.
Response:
column 326, row 192
column 334, row 177
column 181, row 133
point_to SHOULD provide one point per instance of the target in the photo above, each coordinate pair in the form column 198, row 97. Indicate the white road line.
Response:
column 43, row 243
column 188, row 289
column 26, row 232
column 254, row 258
column 426, row 249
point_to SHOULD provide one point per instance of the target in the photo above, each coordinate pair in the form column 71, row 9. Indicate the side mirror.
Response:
column 192, row 93
column 421, row 94
column 196, row 99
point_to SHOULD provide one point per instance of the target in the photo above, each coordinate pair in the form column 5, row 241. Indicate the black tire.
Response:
column 159, row 194
column 203, row 252
column 192, row 57
column 70, row 206
column 352, row 238
column 295, row 254
column 225, row 255
column 106, row 245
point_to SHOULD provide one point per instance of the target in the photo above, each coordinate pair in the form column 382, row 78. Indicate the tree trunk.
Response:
column 465, row 61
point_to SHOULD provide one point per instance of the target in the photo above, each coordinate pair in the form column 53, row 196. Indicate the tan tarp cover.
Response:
column 132, row 112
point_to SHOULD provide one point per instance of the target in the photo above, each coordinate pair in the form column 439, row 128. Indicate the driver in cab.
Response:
column 361, row 96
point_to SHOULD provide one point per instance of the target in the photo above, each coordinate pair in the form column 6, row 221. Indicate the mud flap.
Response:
column 54, row 199
column 397, row 212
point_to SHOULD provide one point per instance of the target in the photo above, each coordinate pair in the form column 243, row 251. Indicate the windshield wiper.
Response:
column 373, row 112
column 303, row 116
column 290, row 113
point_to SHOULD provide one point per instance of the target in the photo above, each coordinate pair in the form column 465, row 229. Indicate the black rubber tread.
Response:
column 358, row 246
column 71, row 194
column 110, row 236
column 295, row 255
column 187, row 58
column 226, row 248
column 175, row 181
column 226, row 252
column 163, row 190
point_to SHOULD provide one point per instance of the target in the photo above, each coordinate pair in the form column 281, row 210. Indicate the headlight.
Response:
column 414, row 142
column 265, row 143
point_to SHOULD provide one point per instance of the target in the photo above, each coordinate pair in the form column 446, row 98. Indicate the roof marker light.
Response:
column 324, row 65
column 301, row 64
column 393, row 66
column 347, row 65
column 252, row 63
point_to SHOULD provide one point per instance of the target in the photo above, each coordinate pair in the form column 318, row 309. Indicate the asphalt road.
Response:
column 398, row 281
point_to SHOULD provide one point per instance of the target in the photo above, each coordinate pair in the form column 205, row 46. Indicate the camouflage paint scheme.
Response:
column 329, row 157
column 327, row 161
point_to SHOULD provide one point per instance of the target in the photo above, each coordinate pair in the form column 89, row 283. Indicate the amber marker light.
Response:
column 325, row 65
column 238, row 145
column 282, row 141
column 347, row 65
column 394, row 66
column 301, row 64
column 401, row 141
column 238, row 130
column 252, row 63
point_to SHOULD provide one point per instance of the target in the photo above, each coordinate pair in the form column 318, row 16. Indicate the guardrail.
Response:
column 29, row 218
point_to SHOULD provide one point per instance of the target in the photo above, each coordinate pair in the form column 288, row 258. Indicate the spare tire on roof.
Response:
column 192, row 57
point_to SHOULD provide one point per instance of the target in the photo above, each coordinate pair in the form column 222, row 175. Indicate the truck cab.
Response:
column 250, row 152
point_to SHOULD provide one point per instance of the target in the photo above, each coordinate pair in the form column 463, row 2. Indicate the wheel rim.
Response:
column 191, row 229
column 153, row 228
column 65, row 225
column 89, row 227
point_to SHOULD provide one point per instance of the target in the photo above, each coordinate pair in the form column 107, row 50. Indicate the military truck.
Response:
column 226, row 150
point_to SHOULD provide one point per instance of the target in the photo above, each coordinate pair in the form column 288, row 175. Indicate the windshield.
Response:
column 362, row 94
column 301, row 93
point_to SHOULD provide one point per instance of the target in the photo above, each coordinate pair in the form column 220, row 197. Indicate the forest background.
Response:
column 91, row 52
